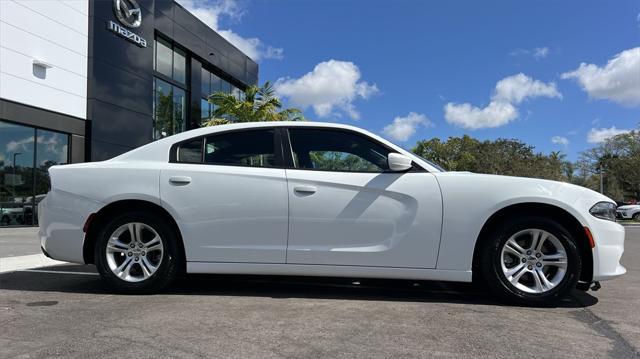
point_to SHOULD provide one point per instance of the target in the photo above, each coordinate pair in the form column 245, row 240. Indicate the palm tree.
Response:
column 257, row 104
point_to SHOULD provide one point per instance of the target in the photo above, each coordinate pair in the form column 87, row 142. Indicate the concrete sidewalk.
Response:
column 19, row 241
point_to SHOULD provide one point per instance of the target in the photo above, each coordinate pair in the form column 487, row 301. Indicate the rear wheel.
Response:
column 531, row 261
column 136, row 253
column 636, row 216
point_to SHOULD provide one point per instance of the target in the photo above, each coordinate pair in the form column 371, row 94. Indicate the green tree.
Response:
column 257, row 104
column 503, row 157
column 618, row 158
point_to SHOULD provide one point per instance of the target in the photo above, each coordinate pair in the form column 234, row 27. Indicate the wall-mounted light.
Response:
column 40, row 68
column 42, row 64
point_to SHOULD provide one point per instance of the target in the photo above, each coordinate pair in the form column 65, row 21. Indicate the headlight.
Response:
column 604, row 210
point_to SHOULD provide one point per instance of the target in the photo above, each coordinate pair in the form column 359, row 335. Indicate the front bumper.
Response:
column 609, row 246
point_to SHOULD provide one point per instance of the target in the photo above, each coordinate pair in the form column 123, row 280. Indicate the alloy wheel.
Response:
column 134, row 252
column 534, row 261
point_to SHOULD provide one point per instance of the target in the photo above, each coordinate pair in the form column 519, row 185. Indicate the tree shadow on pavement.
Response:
column 275, row 287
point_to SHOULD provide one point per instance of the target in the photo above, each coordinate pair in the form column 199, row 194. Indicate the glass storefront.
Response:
column 26, row 153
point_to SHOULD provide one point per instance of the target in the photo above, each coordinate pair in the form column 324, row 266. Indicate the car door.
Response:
column 347, row 208
column 229, row 194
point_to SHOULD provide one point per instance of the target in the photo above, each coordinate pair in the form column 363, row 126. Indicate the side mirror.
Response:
column 398, row 162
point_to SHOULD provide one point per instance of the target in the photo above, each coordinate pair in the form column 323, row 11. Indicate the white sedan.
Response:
column 304, row 198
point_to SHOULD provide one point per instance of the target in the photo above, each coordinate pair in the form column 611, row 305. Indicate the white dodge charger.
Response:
column 316, row 199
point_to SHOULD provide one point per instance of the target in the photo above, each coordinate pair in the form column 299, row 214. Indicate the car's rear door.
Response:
column 346, row 208
column 229, row 193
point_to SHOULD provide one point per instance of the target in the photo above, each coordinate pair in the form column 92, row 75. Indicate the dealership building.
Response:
column 88, row 80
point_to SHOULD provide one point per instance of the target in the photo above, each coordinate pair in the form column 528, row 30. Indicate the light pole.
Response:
column 14, row 168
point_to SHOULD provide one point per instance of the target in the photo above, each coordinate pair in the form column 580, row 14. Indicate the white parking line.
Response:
column 12, row 264
column 56, row 271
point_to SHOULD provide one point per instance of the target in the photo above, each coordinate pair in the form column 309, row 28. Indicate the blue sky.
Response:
column 434, row 66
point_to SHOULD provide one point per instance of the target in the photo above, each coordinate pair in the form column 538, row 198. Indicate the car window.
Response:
column 335, row 150
column 190, row 151
column 241, row 148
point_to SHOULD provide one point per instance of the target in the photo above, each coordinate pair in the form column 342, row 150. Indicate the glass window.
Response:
column 241, row 148
column 164, row 57
column 236, row 92
column 190, row 152
column 333, row 150
column 206, row 83
column 179, row 66
column 215, row 83
column 225, row 86
column 205, row 113
column 25, row 157
column 169, row 109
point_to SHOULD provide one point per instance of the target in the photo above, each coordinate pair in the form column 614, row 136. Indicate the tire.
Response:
column 636, row 216
column 5, row 221
column 514, row 273
column 150, row 267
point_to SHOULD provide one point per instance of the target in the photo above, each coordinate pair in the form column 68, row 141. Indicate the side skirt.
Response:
column 328, row 271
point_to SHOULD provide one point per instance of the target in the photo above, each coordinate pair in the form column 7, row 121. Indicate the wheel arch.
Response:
column 98, row 219
column 565, row 218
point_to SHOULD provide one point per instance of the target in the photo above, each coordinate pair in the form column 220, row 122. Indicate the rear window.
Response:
column 190, row 151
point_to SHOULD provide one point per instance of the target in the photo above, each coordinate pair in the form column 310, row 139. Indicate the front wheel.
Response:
column 136, row 253
column 531, row 261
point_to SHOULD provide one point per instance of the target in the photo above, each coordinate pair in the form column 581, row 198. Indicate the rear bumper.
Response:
column 609, row 246
column 62, row 216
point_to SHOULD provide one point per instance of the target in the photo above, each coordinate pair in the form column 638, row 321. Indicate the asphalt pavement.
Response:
column 66, row 311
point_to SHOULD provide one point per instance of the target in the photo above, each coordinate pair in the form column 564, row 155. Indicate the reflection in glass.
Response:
column 205, row 114
column 25, row 157
column 179, row 66
column 215, row 83
column 206, row 83
column 225, row 86
column 169, row 109
column 164, row 55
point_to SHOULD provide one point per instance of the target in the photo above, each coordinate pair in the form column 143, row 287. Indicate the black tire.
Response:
column 636, row 216
column 491, row 262
column 5, row 221
column 169, row 264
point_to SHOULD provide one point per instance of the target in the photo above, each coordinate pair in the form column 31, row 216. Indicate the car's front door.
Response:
column 229, row 193
column 347, row 208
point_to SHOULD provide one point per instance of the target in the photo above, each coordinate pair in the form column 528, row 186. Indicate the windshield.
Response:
column 437, row 166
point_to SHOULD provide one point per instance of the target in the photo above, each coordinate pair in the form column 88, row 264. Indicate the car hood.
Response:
column 528, row 186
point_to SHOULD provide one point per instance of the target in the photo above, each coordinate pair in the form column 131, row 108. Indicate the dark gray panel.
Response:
column 164, row 25
column 111, row 84
column 77, row 149
column 164, row 8
column 196, row 82
column 115, row 124
column 252, row 67
column 190, row 22
column 101, row 151
column 188, row 40
column 104, row 8
column 113, row 49
column 37, row 117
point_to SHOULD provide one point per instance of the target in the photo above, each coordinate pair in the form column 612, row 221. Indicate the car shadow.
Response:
column 84, row 280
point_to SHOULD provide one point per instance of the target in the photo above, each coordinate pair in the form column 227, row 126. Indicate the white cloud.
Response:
column 537, row 53
column 501, row 110
column 332, row 85
column 540, row 52
column 404, row 127
column 210, row 13
column 496, row 114
column 560, row 140
column 517, row 88
column 617, row 81
column 598, row 135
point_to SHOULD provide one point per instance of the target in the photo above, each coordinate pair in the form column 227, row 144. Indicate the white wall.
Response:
column 52, row 31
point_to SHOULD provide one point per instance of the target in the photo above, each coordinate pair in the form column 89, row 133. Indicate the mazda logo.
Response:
column 128, row 12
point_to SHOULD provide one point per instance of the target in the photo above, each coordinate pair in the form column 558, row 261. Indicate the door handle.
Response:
column 305, row 189
column 180, row 180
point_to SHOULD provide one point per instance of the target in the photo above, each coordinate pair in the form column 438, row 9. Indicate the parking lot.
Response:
column 65, row 311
